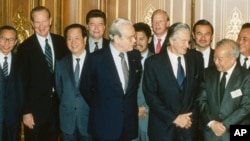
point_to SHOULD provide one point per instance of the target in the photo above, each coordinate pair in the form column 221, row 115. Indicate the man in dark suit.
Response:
column 160, row 24
column 143, row 38
column 203, row 36
column 73, row 109
column 96, row 24
column 170, row 85
column 224, row 99
column 1, row 102
column 12, row 97
column 244, row 42
column 112, row 84
column 38, row 55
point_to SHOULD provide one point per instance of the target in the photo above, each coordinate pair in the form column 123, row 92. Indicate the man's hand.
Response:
column 142, row 112
column 28, row 120
column 183, row 120
column 218, row 128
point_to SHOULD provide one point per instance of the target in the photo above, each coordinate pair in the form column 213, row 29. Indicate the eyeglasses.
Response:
column 10, row 40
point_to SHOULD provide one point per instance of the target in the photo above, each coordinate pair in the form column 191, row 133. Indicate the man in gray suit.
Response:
column 73, row 110
column 224, row 98
column 143, row 38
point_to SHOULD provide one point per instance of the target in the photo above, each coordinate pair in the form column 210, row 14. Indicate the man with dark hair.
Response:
column 143, row 38
column 12, row 97
column 38, row 56
column 96, row 24
column 171, row 84
column 203, row 36
column 244, row 42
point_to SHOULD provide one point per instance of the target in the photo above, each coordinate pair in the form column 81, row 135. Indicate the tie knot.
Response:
column 224, row 74
column 96, row 43
column 46, row 40
column 77, row 59
column 121, row 55
column 5, row 58
column 159, row 39
column 246, row 58
column 179, row 59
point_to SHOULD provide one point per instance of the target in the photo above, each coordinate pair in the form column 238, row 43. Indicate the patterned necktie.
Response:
column 48, row 55
column 96, row 46
column 158, row 46
column 222, row 85
column 245, row 62
column 5, row 66
column 124, row 70
column 180, row 73
column 77, row 70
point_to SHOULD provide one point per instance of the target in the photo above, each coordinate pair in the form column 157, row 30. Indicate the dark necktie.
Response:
column 245, row 62
column 96, row 46
column 48, row 55
column 222, row 85
column 124, row 70
column 5, row 66
column 180, row 73
column 77, row 69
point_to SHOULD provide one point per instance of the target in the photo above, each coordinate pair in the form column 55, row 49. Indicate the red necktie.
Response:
column 158, row 46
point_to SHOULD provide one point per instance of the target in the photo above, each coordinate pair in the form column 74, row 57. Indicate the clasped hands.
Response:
column 183, row 120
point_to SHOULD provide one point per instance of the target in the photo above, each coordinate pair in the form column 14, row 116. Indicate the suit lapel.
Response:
column 70, row 68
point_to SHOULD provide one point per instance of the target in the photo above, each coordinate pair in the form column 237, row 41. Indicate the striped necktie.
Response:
column 5, row 66
column 48, row 55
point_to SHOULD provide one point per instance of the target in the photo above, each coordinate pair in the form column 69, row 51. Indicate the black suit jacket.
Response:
column 165, row 98
column 38, row 81
column 151, row 46
column 211, row 58
column 112, row 111
column 229, row 110
column 105, row 43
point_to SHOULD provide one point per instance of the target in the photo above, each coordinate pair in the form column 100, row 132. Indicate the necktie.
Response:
column 180, row 73
column 96, row 46
column 48, row 55
column 77, row 69
column 222, row 85
column 158, row 46
column 245, row 62
column 124, row 70
column 5, row 66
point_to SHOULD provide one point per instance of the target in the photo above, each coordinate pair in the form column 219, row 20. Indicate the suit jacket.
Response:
column 1, row 101
column 151, row 45
column 73, row 110
column 38, row 81
column 112, row 111
column 165, row 98
column 13, row 96
column 211, row 58
column 105, row 43
column 228, row 110
column 143, row 123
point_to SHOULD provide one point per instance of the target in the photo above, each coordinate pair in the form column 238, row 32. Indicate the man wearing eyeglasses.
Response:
column 10, row 95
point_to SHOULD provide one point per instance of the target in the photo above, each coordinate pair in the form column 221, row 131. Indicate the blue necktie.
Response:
column 77, row 70
column 180, row 73
column 5, row 66
column 48, row 55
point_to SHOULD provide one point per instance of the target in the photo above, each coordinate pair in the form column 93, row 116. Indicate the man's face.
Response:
column 96, row 27
column 160, row 24
column 222, row 59
column 75, row 42
column 41, row 22
column 244, row 41
column 180, row 43
column 7, row 41
column 203, row 36
column 142, row 41
column 127, row 40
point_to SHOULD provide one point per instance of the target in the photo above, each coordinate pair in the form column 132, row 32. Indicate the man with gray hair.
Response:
column 112, row 85
column 224, row 98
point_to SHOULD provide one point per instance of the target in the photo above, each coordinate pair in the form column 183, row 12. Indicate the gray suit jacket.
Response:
column 229, row 110
column 73, row 110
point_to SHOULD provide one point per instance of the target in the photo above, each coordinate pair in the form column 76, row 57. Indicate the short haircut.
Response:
column 7, row 27
column 159, row 11
column 245, row 25
column 72, row 26
column 231, row 44
column 173, row 29
column 143, row 27
column 39, row 8
column 203, row 22
column 95, row 13
column 116, row 27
